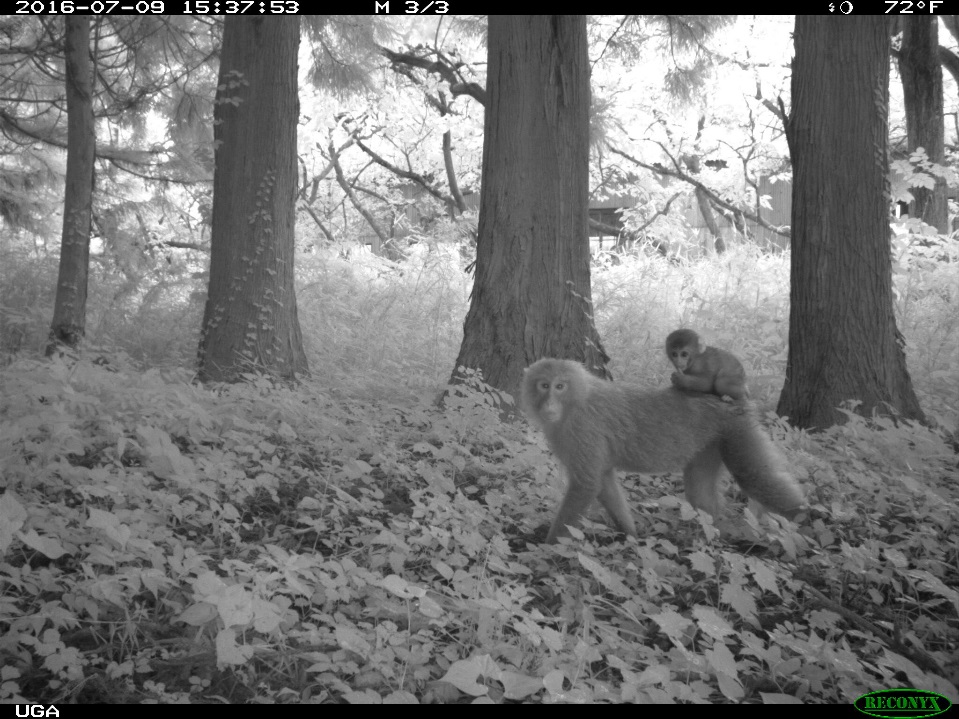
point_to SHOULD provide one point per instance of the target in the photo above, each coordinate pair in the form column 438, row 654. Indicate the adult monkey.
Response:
column 595, row 427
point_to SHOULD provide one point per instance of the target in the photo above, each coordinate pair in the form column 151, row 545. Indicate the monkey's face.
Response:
column 550, row 394
column 680, row 357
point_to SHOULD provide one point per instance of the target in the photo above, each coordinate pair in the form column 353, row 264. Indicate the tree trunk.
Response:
column 250, row 321
column 531, row 295
column 922, row 92
column 707, row 212
column 70, row 308
column 460, row 203
column 843, row 340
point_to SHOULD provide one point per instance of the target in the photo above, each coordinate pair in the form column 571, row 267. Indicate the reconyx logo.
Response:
column 902, row 704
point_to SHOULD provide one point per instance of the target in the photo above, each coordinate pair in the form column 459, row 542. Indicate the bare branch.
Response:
column 406, row 174
column 713, row 197
column 186, row 246
column 604, row 228
column 348, row 189
column 438, row 67
column 661, row 212
column 319, row 223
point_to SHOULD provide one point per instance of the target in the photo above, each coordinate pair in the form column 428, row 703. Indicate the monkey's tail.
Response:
column 759, row 467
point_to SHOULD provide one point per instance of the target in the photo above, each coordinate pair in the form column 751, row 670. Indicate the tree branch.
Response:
column 319, row 223
column 664, row 211
column 948, row 59
column 437, row 67
column 713, row 197
column 186, row 246
column 605, row 229
column 406, row 174
column 352, row 195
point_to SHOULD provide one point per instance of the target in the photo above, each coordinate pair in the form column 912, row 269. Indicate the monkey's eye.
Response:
column 560, row 386
column 544, row 385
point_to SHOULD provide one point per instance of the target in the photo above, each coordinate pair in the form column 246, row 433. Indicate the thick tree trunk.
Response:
column 922, row 92
column 843, row 341
column 250, row 321
column 70, row 308
column 531, row 295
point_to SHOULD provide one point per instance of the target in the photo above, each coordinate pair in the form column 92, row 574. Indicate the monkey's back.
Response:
column 622, row 418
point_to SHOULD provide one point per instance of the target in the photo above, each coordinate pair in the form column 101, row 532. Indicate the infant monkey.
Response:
column 705, row 369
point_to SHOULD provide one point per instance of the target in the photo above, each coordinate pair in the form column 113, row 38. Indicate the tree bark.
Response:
column 922, row 93
column 250, row 322
column 531, row 294
column 843, row 340
column 458, row 201
column 70, row 307
column 707, row 212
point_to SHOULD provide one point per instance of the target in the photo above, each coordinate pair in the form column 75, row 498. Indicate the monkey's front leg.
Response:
column 697, row 383
column 579, row 495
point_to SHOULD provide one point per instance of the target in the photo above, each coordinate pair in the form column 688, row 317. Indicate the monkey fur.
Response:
column 705, row 369
column 595, row 427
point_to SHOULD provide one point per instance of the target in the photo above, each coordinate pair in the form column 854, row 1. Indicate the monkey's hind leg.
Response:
column 702, row 480
column 614, row 501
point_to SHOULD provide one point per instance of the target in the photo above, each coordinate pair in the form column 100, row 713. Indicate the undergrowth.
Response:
column 346, row 541
column 163, row 542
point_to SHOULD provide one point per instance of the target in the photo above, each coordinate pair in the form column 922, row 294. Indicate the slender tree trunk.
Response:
column 460, row 203
column 70, row 308
column 250, row 321
column 531, row 295
column 843, row 340
column 922, row 92
column 694, row 165
column 710, row 218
